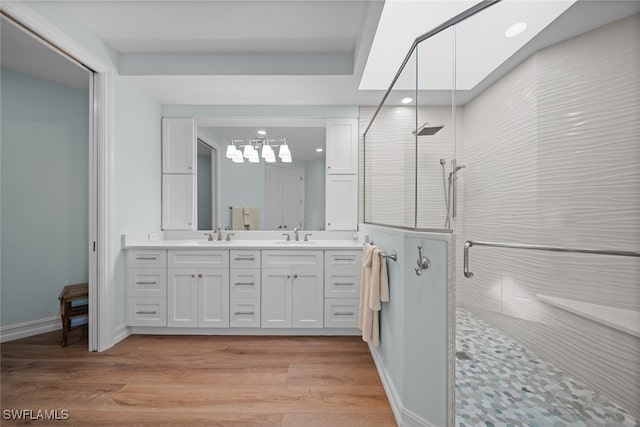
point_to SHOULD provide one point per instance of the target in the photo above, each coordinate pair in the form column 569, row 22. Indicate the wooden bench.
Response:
column 69, row 311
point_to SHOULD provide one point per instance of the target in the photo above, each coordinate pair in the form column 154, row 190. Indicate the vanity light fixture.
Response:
column 407, row 100
column 240, row 149
column 515, row 29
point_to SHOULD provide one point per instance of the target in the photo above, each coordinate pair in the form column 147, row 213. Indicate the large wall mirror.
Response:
column 261, row 196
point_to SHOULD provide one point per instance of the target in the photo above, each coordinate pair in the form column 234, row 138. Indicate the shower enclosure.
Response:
column 527, row 149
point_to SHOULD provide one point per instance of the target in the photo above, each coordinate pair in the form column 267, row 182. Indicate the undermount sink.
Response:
column 293, row 242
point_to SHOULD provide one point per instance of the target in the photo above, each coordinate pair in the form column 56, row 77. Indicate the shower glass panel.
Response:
column 437, row 122
column 389, row 152
column 551, row 145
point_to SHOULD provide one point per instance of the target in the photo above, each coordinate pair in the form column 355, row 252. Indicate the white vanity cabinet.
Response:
column 198, row 288
column 245, row 288
column 146, row 287
column 342, row 288
column 292, row 289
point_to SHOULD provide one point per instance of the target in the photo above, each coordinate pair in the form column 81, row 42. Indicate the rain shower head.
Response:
column 428, row 130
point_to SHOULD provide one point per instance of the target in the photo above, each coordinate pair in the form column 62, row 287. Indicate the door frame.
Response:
column 101, row 286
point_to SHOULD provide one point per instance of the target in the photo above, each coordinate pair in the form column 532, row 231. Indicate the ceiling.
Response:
column 305, row 52
column 41, row 61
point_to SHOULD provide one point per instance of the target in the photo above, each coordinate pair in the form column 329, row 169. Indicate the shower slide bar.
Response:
column 469, row 243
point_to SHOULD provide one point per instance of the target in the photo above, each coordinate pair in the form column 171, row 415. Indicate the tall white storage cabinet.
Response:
column 179, row 173
column 342, row 174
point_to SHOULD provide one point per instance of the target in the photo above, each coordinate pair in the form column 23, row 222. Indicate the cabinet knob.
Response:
column 288, row 276
column 190, row 167
column 201, row 275
column 328, row 167
column 328, row 223
column 193, row 275
column 295, row 276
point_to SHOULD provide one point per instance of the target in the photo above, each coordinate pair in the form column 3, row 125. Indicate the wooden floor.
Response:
column 197, row 380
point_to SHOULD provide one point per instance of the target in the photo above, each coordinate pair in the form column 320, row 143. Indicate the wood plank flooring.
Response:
column 197, row 380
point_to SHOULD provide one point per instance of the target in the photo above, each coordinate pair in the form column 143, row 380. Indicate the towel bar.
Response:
column 392, row 256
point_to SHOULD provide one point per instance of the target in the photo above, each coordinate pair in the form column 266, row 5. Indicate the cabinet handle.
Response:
column 295, row 276
column 146, row 257
column 245, row 283
column 146, row 312
column 201, row 275
column 343, row 313
column 343, row 259
column 244, row 259
column 248, row 313
column 146, row 283
column 343, row 284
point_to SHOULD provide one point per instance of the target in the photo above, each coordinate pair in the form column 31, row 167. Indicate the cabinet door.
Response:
column 178, row 201
column 342, row 202
column 213, row 298
column 276, row 298
column 342, row 146
column 308, row 299
column 182, row 297
column 179, row 145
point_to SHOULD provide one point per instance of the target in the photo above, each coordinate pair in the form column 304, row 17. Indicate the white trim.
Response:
column 389, row 386
column 410, row 419
column 30, row 328
column 404, row 417
column 120, row 333
column 101, row 290
column 154, row 330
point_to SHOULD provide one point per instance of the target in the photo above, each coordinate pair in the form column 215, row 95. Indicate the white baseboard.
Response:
column 30, row 328
column 404, row 417
column 120, row 333
column 389, row 386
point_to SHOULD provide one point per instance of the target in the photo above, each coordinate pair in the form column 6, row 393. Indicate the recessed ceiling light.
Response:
column 407, row 100
column 262, row 132
column 319, row 150
column 515, row 29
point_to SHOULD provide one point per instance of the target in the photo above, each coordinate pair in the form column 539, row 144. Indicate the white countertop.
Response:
column 241, row 244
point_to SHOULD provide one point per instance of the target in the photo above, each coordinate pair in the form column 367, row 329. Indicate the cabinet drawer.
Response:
column 341, row 313
column 244, row 259
column 143, row 311
column 147, row 282
column 245, row 283
column 342, row 282
column 289, row 258
column 146, row 258
column 343, row 258
column 179, row 258
column 245, row 312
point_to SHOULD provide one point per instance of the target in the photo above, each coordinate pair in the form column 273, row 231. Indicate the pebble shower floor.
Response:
column 501, row 383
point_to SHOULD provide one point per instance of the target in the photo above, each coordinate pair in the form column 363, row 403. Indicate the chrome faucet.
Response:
column 218, row 234
column 295, row 234
column 210, row 239
column 288, row 238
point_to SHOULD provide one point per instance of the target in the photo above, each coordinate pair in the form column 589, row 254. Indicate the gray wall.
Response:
column 44, row 199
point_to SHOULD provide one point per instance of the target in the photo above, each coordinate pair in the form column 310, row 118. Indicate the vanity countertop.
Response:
column 243, row 244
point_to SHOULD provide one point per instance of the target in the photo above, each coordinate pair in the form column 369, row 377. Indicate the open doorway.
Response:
column 49, row 183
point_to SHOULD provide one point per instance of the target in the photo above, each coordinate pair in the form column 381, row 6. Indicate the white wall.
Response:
column 45, row 175
column 553, row 157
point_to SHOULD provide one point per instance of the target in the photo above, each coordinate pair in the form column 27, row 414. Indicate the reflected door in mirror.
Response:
column 284, row 195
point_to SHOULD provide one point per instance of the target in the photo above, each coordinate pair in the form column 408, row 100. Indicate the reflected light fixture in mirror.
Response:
column 250, row 149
